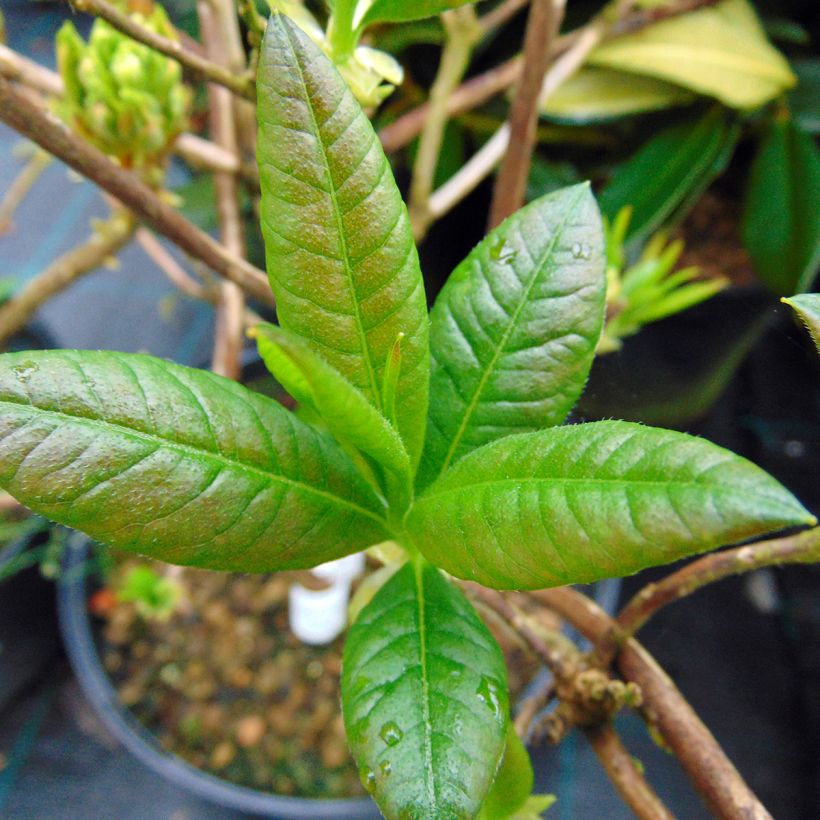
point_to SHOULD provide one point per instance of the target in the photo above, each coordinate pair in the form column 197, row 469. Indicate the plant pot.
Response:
column 28, row 629
column 81, row 647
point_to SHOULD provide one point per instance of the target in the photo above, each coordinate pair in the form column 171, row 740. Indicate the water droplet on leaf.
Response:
column 385, row 767
column 368, row 778
column 500, row 251
column 581, row 251
column 390, row 733
column 488, row 694
column 24, row 371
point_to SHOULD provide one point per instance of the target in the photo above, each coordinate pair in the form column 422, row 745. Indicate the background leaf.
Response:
column 590, row 501
column 595, row 94
column 720, row 51
column 424, row 694
column 398, row 11
column 804, row 100
column 514, row 330
column 665, row 177
column 781, row 213
column 807, row 307
column 340, row 254
column 179, row 464
column 513, row 783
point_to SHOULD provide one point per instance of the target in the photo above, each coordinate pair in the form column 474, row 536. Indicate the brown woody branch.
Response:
column 542, row 27
column 712, row 773
column 803, row 548
column 625, row 775
column 194, row 63
column 51, row 134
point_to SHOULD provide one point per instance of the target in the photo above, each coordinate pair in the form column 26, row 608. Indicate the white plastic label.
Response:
column 318, row 616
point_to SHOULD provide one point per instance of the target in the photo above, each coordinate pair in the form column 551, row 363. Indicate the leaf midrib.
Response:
column 160, row 442
column 337, row 216
column 595, row 481
column 425, row 686
column 506, row 335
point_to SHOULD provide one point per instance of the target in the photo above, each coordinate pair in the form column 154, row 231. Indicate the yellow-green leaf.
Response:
column 720, row 51
column 600, row 94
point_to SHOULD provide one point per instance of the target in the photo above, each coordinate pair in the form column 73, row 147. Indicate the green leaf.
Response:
column 348, row 414
column 514, row 330
column 780, row 224
column 595, row 94
column 669, row 172
column 720, row 51
column 340, row 254
column 807, row 307
column 590, row 501
column 513, row 783
column 400, row 11
column 175, row 463
column 424, row 694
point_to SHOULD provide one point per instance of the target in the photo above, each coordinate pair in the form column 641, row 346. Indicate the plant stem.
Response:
column 491, row 153
column 21, row 185
column 228, row 336
column 483, row 87
column 718, row 782
column 49, row 133
column 463, row 32
column 542, row 27
column 803, row 548
column 625, row 775
column 198, row 66
column 501, row 14
column 108, row 238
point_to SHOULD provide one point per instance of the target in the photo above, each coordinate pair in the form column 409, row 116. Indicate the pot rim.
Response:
column 76, row 629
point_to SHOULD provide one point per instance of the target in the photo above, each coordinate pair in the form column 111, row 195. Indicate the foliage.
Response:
column 780, row 223
column 123, row 96
column 807, row 308
column 648, row 290
column 720, row 51
column 462, row 409
column 155, row 596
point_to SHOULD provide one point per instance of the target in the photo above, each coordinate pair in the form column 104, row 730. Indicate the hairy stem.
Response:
column 49, row 133
column 463, row 32
column 510, row 186
column 803, row 548
column 625, row 774
column 717, row 781
column 194, row 63
column 108, row 239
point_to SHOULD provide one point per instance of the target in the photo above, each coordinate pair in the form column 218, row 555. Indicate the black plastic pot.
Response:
column 81, row 647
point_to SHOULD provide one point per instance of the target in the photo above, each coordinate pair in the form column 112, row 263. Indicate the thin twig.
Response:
column 228, row 336
column 554, row 659
column 483, row 87
column 491, row 153
column 803, row 548
column 625, row 774
column 49, row 133
column 463, row 32
column 501, row 14
column 180, row 278
column 530, row 707
column 542, row 27
column 711, row 772
column 107, row 240
column 21, row 185
column 197, row 65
